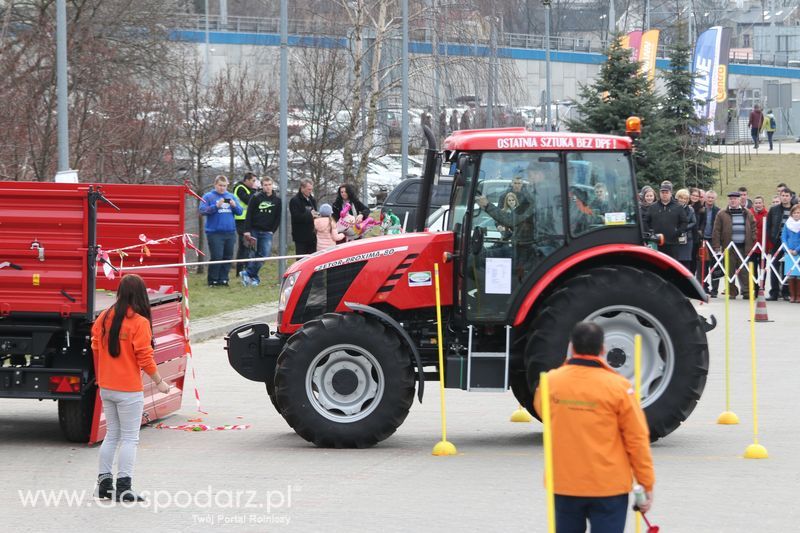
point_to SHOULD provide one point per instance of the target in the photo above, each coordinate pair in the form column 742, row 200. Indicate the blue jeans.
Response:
column 123, row 412
column 606, row 515
column 263, row 249
column 220, row 245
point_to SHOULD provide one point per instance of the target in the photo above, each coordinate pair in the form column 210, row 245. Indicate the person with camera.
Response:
column 219, row 207
column 668, row 218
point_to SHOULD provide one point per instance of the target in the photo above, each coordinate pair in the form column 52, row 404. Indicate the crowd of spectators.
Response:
column 253, row 213
column 688, row 225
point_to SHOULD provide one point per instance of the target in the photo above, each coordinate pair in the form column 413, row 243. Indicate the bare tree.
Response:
column 102, row 51
column 318, row 83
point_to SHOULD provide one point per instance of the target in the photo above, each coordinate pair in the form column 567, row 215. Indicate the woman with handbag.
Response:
column 122, row 343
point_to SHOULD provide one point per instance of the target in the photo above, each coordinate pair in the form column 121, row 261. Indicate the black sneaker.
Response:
column 772, row 298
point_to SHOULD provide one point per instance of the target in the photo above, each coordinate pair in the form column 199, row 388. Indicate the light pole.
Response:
column 283, row 134
column 546, row 4
column 404, row 95
column 61, row 85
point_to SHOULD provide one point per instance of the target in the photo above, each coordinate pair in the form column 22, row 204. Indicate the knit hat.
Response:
column 325, row 210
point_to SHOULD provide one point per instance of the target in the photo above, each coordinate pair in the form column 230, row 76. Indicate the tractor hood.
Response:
column 395, row 270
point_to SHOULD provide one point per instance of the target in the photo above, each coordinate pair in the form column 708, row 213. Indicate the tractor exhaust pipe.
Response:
column 429, row 173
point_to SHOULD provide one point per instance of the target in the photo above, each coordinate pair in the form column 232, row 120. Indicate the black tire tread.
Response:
column 75, row 418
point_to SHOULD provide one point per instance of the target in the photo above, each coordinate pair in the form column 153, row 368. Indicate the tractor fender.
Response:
column 391, row 322
column 628, row 254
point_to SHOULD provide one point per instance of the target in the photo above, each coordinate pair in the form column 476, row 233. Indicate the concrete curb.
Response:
column 219, row 325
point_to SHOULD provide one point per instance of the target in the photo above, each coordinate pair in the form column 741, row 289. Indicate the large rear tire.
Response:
column 522, row 392
column 627, row 301
column 344, row 381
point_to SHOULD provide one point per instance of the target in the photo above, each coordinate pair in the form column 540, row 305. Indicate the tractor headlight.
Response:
column 286, row 290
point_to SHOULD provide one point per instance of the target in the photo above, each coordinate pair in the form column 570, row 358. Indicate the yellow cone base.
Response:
column 728, row 418
column 521, row 415
column 755, row 451
column 444, row 447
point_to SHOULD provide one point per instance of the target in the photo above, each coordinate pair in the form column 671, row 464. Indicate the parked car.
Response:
column 404, row 198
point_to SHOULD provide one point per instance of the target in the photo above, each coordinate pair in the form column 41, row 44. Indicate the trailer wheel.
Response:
column 344, row 381
column 627, row 302
column 75, row 417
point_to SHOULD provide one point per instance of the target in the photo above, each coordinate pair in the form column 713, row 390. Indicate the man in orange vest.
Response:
column 600, row 439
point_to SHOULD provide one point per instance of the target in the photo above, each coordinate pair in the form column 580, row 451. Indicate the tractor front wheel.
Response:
column 344, row 381
column 627, row 302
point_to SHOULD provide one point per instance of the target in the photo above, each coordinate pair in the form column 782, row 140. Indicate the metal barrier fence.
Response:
column 767, row 263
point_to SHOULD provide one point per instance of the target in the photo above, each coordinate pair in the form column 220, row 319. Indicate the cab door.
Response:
column 508, row 216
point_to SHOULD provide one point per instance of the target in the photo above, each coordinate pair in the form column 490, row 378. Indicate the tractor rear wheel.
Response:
column 344, row 381
column 627, row 302
column 522, row 392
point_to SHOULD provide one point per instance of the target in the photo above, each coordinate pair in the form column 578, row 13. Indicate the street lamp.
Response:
column 546, row 4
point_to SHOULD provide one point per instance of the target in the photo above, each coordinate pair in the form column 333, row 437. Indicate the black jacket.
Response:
column 669, row 220
column 263, row 213
column 775, row 224
column 701, row 219
column 302, row 220
column 360, row 208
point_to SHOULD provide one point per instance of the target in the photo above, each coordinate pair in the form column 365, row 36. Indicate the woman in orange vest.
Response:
column 122, row 343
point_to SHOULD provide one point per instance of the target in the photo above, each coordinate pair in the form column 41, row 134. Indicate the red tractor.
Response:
column 543, row 231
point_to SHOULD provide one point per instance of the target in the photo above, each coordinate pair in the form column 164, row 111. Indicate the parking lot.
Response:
column 268, row 478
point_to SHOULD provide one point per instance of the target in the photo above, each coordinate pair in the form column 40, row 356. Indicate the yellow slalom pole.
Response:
column 547, row 437
column 728, row 417
column 442, row 447
column 755, row 450
column 637, row 387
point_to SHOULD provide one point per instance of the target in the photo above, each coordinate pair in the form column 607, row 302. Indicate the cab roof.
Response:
column 517, row 139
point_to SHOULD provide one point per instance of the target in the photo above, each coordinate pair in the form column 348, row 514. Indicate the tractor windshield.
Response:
column 600, row 191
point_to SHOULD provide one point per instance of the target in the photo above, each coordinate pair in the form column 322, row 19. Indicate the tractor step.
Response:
column 487, row 370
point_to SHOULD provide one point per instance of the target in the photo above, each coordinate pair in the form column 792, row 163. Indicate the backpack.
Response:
column 772, row 124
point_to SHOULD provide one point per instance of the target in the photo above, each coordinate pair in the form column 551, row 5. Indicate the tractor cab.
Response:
column 523, row 202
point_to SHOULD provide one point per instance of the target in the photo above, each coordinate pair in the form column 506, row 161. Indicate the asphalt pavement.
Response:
column 266, row 478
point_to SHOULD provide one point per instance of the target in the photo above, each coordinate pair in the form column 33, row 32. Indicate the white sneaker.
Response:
column 245, row 278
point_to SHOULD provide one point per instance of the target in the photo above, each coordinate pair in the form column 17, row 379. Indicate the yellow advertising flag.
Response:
column 648, row 52
column 722, row 86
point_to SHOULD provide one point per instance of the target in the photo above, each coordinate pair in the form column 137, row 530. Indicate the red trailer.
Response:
column 50, row 293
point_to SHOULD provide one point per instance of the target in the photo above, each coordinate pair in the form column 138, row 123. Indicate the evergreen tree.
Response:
column 619, row 92
column 678, row 109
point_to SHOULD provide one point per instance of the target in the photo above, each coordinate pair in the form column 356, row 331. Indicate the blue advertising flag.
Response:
column 705, row 67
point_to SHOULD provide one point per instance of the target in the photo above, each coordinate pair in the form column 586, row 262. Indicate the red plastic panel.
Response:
column 155, row 211
column 53, row 215
column 56, row 216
